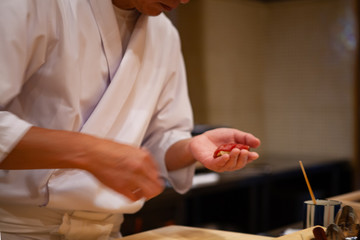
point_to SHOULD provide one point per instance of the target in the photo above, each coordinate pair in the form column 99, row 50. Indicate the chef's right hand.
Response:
column 128, row 170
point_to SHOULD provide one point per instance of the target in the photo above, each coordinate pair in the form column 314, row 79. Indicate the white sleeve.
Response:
column 173, row 121
column 12, row 130
column 17, row 45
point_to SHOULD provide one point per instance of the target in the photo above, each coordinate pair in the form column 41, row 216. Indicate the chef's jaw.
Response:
column 149, row 7
column 155, row 8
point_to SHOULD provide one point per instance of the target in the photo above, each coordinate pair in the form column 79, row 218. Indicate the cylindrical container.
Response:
column 322, row 213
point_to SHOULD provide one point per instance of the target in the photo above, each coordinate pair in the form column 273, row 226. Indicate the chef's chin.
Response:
column 155, row 10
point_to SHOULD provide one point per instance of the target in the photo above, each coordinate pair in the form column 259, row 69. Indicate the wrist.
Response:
column 179, row 155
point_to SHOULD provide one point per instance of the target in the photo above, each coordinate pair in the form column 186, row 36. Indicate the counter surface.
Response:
column 192, row 233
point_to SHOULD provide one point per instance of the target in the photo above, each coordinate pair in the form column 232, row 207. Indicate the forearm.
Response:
column 119, row 166
column 45, row 149
column 179, row 155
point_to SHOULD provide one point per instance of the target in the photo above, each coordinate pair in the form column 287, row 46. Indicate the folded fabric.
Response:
column 74, row 228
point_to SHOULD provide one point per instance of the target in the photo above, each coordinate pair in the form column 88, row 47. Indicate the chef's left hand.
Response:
column 203, row 146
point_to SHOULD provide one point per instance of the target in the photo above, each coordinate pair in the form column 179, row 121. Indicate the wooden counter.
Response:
column 192, row 233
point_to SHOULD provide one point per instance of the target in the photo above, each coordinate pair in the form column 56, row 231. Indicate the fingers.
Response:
column 238, row 159
column 146, row 183
column 133, row 195
column 248, row 139
column 145, row 191
column 128, row 170
column 235, row 160
column 227, row 135
column 137, row 193
column 205, row 144
column 150, row 189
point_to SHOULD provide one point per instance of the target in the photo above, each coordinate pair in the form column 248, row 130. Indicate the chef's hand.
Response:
column 203, row 146
column 129, row 170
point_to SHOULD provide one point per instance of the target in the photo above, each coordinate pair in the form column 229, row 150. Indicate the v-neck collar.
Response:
column 110, row 36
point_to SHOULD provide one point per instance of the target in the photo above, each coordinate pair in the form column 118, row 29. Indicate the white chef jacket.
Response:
column 62, row 67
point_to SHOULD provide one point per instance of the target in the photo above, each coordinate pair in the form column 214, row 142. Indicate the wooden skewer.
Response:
column 307, row 182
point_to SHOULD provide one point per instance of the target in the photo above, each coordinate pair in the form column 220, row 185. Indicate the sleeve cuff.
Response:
column 12, row 129
column 181, row 179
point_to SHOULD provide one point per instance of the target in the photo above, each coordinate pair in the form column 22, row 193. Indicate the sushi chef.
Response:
column 95, row 116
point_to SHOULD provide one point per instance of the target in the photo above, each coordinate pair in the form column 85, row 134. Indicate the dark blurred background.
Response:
column 286, row 71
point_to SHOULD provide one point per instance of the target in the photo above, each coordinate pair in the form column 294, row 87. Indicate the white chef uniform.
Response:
column 63, row 68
